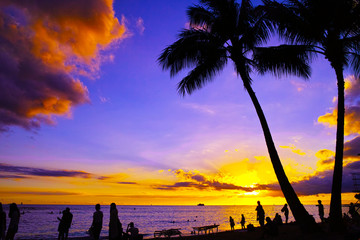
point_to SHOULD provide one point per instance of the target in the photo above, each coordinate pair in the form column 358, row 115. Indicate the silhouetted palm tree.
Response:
column 223, row 30
column 330, row 28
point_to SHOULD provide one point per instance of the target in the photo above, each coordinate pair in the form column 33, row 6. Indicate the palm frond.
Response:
column 256, row 34
column 191, row 48
column 290, row 21
column 260, row 14
column 284, row 60
column 204, row 72
column 355, row 62
column 199, row 16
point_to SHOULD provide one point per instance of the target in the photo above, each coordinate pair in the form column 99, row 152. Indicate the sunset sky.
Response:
column 88, row 116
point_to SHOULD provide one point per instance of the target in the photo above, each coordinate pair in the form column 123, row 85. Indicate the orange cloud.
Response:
column 43, row 45
column 71, row 32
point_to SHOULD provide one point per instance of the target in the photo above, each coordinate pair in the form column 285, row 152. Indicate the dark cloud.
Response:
column 352, row 147
column 214, row 185
column 198, row 178
column 126, row 183
column 201, row 182
column 322, row 181
column 103, row 178
column 29, row 171
column 55, row 193
column 8, row 176
column 44, row 45
column 327, row 161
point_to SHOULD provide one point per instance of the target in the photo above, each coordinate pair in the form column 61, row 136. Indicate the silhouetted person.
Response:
column 285, row 210
column 115, row 227
column 14, row 215
column 321, row 210
column 65, row 224
column 97, row 222
column 242, row 221
column 346, row 218
column 132, row 233
column 277, row 219
column 270, row 228
column 353, row 213
column 2, row 222
column 260, row 214
column 232, row 223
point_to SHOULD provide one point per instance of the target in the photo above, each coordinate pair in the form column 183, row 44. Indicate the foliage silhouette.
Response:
column 330, row 28
column 225, row 30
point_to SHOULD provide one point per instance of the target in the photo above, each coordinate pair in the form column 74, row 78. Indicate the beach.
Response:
column 149, row 219
column 146, row 218
column 286, row 232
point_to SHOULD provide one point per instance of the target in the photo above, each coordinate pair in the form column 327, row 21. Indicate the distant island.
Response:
column 201, row 204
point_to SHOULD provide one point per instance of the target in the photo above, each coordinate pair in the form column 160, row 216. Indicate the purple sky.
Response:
column 127, row 121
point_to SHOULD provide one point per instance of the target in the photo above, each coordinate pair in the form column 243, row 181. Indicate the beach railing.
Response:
column 167, row 233
column 206, row 229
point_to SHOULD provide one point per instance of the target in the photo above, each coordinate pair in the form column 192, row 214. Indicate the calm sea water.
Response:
column 37, row 221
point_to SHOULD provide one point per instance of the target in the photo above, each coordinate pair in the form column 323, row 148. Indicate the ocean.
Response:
column 40, row 221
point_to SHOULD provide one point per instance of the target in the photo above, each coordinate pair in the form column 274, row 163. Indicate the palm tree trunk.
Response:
column 335, row 204
column 302, row 217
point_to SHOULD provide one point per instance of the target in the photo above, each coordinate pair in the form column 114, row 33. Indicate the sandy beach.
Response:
column 289, row 231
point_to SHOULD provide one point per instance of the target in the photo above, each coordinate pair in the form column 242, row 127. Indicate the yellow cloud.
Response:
column 326, row 159
column 352, row 110
column 294, row 150
column 352, row 123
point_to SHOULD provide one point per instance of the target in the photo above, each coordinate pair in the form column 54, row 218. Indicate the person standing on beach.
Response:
column 321, row 210
column 97, row 222
column 14, row 215
column 65, row 224
column 285, row 210
column 260, row 214
column 2, row 222
column 242, row 221
column 232, row 223
column 115, row 227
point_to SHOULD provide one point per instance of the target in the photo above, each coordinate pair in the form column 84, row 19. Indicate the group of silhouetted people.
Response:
column 270, row 227
column 260, row 217
column 242, row 222
column 115, row 226
column 268, row 224
column 14, row 215
column 354, row 214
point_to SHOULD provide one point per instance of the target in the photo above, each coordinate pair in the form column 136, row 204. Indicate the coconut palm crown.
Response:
column 330, row 28
column 223, row 30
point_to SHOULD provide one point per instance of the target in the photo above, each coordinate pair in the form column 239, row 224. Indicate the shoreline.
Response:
column 289, row 231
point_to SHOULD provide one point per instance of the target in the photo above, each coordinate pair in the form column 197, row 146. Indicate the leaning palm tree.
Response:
column 223, row 30
column 330, row 28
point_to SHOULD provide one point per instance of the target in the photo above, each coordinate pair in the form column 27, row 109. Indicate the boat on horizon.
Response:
column 201, row 204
